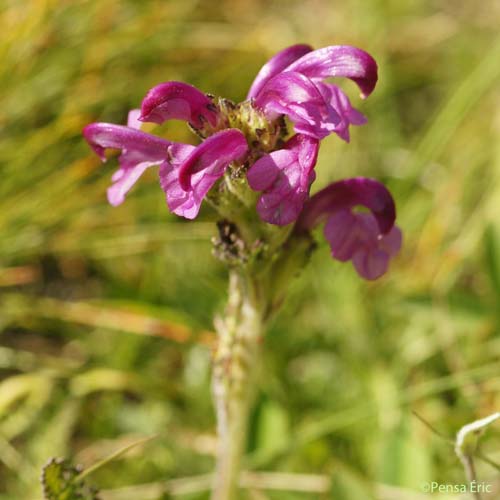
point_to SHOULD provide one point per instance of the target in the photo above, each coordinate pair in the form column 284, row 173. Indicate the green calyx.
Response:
column 263, row 135
column 60, row 481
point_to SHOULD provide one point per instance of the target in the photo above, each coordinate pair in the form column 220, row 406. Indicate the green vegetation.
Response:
column 106, row 313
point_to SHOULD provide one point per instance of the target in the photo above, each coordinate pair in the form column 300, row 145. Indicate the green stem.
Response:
column 239, row 332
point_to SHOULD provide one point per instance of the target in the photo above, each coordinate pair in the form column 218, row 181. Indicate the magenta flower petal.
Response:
column 341, row 104
column 264, row 172
column 276, row 65
column 136, row 146
column 342, row 233
column 139, row 151
column 369, row 240
column 284, row 176
column 184, row 203
column 133, row 119
column 124, row 180
column 391, row 242
column 346, row 194
column 296, row 96
column 339, row 60
column 371, row 264
column 355, row 237
column 200, row 167
column 211, row 158
column 177, row 100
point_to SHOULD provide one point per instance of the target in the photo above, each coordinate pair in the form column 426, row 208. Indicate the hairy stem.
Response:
column 470, row 472
column 235, row 358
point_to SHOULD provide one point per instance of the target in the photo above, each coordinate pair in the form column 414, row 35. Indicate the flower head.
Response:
column 249, row 147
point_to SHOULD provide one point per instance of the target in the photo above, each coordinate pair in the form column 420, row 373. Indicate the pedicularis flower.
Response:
column 250, row 148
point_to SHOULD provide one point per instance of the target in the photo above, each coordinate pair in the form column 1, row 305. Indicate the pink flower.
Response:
column 250, row 136
column 192, row 171
column 291, row 83
column 284, row 176
column 276, row 65
column 177, row 100
column 205, row 163
column 139, row 152
column 369, row 240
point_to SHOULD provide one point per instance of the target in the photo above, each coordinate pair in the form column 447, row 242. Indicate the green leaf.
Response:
column 113, row 456
column 60, row 482
column 492, row 250
column 273, row 427
column 63, row 481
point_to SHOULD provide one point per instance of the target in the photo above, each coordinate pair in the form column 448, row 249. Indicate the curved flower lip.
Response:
column 339, row 60
column 276, row 65
column 177, row 100
column 136, row 145
column 356, row 237
column 341, row 104
column 123, row 181
column 296, row 96
column 139, row 152
column 184, row 203
column 213, row 155
column 369, row 240
column 284, row 176
column 346, row 194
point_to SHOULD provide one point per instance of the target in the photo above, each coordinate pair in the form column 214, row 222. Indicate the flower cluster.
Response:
column 250, row 143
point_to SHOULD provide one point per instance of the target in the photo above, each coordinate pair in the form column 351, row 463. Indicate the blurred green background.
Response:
column 106, row 313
